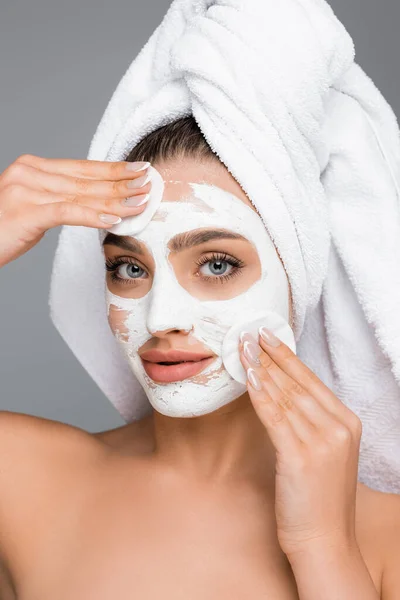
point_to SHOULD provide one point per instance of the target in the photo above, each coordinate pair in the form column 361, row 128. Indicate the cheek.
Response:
column 116, row 319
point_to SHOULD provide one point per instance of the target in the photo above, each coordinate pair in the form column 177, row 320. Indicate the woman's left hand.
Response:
column 317, row 440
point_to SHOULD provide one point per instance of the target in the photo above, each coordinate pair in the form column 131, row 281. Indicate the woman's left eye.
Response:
column 216, row 267
column 219, row 267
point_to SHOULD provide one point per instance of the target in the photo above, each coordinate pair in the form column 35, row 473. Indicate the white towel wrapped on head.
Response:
column 316, row 147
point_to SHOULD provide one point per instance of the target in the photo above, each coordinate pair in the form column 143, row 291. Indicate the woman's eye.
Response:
column 216, row 267
column 129, row 271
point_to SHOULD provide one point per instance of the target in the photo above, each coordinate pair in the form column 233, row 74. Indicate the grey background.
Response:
column 60, row 62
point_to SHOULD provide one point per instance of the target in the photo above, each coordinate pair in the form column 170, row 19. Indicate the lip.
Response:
column 171, row 373
column 156, row 356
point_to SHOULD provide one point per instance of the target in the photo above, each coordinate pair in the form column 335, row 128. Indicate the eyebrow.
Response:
column 190, row 239
column 179, row 243
column 125, row 243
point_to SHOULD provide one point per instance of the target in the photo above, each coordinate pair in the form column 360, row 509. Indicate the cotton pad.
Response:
column 230, row 346
column 134, row 224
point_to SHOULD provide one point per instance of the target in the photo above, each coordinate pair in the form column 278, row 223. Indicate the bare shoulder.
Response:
column 26, row 438
column 35, row 455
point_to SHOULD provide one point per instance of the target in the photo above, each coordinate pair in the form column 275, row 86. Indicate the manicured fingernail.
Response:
column 137, row 166
column 136, row 200
column 251, row 352
column 139, row 181
column 245, row 336
column 269, row 337
column 254, row 379
column 110, row 219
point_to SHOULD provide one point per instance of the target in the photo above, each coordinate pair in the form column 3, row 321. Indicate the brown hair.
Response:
column 182, row 138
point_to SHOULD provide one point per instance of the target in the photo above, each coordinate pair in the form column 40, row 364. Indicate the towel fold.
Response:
column 279, row 98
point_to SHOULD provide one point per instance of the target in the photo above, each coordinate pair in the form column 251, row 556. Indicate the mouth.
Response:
column 174, row 365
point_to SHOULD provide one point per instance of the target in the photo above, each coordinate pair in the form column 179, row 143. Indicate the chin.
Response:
column 186, row 399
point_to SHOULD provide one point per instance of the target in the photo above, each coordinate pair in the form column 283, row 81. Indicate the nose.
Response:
column 160, row 333
column 170, row 308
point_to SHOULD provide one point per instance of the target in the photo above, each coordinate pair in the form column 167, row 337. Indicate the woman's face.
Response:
column 204, row 261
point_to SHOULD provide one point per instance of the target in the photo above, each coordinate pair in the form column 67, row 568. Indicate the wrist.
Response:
column 330, row 552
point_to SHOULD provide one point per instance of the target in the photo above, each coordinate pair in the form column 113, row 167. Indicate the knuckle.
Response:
column 108, row 204
column 25, row 159
column 340, row 434
column 264, row 375
column 83, row 166
column 295, row 389
column 277, row 417
column 81, row 184
column 15, row 191
column 15, row 172
column 74, row 199
column 62, row 211
column 118, row 188
column 265, row 360
column 285, row 401
column 115, row 168
column 355, row 424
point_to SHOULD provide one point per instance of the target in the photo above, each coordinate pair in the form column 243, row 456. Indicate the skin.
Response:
column 163, row 506
column 229, row 442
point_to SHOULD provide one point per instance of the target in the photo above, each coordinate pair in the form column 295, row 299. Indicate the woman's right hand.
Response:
column 38, row 193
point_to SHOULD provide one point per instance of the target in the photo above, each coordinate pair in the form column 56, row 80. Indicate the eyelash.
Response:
column 237, row 264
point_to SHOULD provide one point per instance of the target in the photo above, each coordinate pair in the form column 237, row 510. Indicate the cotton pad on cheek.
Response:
column 230, row 345
column 132, row 225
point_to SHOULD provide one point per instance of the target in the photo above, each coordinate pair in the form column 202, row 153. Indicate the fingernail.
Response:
column 251, row 352
column 139, row 182
column 135, row 200
column 137, row 166
column 110, row 219
column 254, row 379
column 269, row 337
column 246, row 336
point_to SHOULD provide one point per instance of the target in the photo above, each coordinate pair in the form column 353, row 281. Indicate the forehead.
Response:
column 179, row 174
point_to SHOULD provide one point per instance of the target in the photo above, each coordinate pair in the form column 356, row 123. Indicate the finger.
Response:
column 108, row 191
column 15, row 194
column 287, row 360
column 273, row 417
column 306, row 413
column 87, row 169
column 46, row 216
column 285, row 405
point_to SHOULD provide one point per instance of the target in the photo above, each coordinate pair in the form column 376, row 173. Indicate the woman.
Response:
column 202, row 507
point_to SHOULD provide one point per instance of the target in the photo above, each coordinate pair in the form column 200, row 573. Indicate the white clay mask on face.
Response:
column 169, row 306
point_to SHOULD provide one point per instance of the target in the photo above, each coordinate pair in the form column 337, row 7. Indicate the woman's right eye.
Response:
column 124, row 271
column 129, row 271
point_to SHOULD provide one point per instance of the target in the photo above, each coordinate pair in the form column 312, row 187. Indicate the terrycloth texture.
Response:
column 278, row 96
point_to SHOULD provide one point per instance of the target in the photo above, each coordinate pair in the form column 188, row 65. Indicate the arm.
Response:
column 334, row 574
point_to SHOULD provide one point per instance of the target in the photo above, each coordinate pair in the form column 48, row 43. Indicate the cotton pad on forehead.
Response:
column 230, row 346
column 132, row 225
